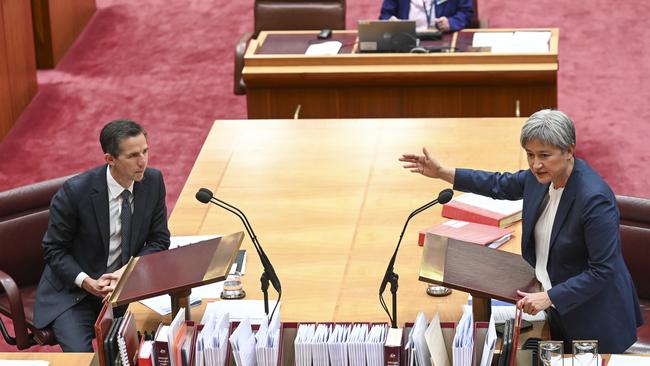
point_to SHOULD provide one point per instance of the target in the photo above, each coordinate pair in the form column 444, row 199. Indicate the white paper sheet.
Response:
column 324, row 48
column 240, row 310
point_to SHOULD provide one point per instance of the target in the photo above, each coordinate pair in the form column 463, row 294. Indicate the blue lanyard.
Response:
column 428, row 12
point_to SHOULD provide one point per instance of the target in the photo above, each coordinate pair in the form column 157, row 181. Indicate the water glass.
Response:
column 585, row 353
column 551, row 353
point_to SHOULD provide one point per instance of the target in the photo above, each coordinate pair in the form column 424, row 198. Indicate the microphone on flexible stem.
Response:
column 204, row 195
column 390, row 276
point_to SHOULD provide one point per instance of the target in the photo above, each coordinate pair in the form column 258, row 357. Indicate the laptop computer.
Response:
column 386, row 35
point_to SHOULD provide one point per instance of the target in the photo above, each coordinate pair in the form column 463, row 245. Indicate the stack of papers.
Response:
column 490, row 344
column 436, row 343
column 242, row 342
column 211, row 343
column 513, row 42
column 267, row 345
column 416, row 346
column 251, row 310
column 324, row 48
column 340, row 344
column 463, row 346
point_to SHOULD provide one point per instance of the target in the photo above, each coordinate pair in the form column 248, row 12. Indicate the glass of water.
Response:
column 550, row 353
column 585, row 353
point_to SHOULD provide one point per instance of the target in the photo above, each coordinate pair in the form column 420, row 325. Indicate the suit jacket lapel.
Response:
column 100, row 205
column 530, row 216
column 568, row 196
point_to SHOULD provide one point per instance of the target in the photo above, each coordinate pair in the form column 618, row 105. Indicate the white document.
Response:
column 253, row 310
column 163, row 304
column 319, row 356
column 181, row 241
column 375, row 344
column 268, row 343
column 211, row 344
column 513, row 42
column 625, row 360
column 304, row 337
column 490, row 344
column 490, row 39
column 324, row 48
column 463, row 346
column 504, row 207
column 436, row 343
column 242, row 342
column 356, row 345
column 337, row 345
column 419, row 343
column 177, row 325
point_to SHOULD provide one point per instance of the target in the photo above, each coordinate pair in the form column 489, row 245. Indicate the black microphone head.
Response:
column 445, row 196
column 204, row 195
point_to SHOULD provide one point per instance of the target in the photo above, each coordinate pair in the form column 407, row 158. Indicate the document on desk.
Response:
column 242, row 342
column 490, row 344
column 436, row 343
column 163, row 304
column 463, row 346
column 253, row 310
column 324, row 48
column 502, row 311
column 513, row 42
column 626, row 360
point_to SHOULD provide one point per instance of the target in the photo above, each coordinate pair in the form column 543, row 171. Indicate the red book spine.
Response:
column 161, row 353
column 454, row 211
column 392, row 355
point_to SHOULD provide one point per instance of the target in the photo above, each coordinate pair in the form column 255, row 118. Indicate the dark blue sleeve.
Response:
column 502, row 186
column 462, row 17
column 388, row 9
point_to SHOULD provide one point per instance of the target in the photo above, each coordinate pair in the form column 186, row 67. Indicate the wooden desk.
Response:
column 55, row 359
column 328, row 199
column 466, row 82
column 17, row 65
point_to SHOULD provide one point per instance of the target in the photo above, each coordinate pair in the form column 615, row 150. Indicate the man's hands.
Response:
column 104, row 285
column 533, row 303
column 442, row 24
column 427, row 166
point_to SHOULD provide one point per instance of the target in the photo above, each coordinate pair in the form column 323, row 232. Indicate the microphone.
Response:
column 390, row 276
column 204, row 195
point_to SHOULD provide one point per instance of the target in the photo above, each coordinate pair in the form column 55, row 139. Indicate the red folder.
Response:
column 102, row 326
column 465, row 231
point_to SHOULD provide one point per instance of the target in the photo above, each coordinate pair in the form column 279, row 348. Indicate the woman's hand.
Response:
column 533, row 303
column 427, row 166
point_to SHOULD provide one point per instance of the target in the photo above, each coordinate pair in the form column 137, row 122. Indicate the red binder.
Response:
column 483, row 214
column 465, row 231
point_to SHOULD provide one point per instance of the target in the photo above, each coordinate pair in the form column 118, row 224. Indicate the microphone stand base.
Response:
column 438, row 291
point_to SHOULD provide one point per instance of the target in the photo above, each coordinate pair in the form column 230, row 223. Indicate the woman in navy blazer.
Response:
column 451, row 15
column 570, row 234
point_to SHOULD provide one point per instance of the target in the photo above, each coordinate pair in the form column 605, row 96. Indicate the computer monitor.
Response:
column 386, row 35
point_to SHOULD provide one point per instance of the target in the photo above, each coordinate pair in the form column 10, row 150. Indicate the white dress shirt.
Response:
column 114, row 211
column 419, row 14
column 543, row 230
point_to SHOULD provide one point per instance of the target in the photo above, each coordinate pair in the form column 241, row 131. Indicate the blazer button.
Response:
column 76, row 299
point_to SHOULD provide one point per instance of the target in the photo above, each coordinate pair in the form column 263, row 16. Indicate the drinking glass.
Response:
column 550, row 353
column 233, row 287
column 585, row 353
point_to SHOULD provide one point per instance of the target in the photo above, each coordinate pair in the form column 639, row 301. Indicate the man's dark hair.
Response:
column 116, row 131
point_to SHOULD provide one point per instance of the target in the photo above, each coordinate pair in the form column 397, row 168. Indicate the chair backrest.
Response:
column 24, row 213
column 299, row 14
column 635, row 240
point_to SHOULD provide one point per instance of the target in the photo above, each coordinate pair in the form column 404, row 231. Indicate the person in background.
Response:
column 444, row 15
column 98, row 220
column 570, row 234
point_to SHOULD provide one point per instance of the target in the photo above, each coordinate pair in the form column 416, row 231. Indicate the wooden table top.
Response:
column 328, row 199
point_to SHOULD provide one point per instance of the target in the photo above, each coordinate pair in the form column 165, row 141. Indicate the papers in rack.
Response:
column 463, row 346
column 416, row 345
column 513, row 42
column 242, row 342
column 253, row 310
column 324, row 48
column 436, row 343
column 490, row 344
column 211, row 346
column 175, row 337
column 340, row 344
column 267, row 339
column 501, row 311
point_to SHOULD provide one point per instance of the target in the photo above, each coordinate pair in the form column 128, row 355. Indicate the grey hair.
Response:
column 550, row 127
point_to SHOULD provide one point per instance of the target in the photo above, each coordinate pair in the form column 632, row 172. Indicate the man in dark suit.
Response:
column 570, row 234
column 445, row 15
column 98, row 220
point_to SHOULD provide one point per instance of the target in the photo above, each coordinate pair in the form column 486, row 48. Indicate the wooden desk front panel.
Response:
column 57, row 23
column 17, row 65
column 327, row 200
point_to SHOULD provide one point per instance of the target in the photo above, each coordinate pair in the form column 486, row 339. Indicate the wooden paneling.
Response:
column 465, row 84
column 57, row 24
column 17, row 65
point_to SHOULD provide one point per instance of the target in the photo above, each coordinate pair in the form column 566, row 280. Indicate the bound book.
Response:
column 393, row 347
column 161, row 346
column 471, row 232
column 102, row 326
column 483, row 210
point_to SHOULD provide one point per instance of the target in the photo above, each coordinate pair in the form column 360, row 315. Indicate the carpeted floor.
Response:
column 168, row 65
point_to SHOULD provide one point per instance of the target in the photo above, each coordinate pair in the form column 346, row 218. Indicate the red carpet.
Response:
column 168, row 65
